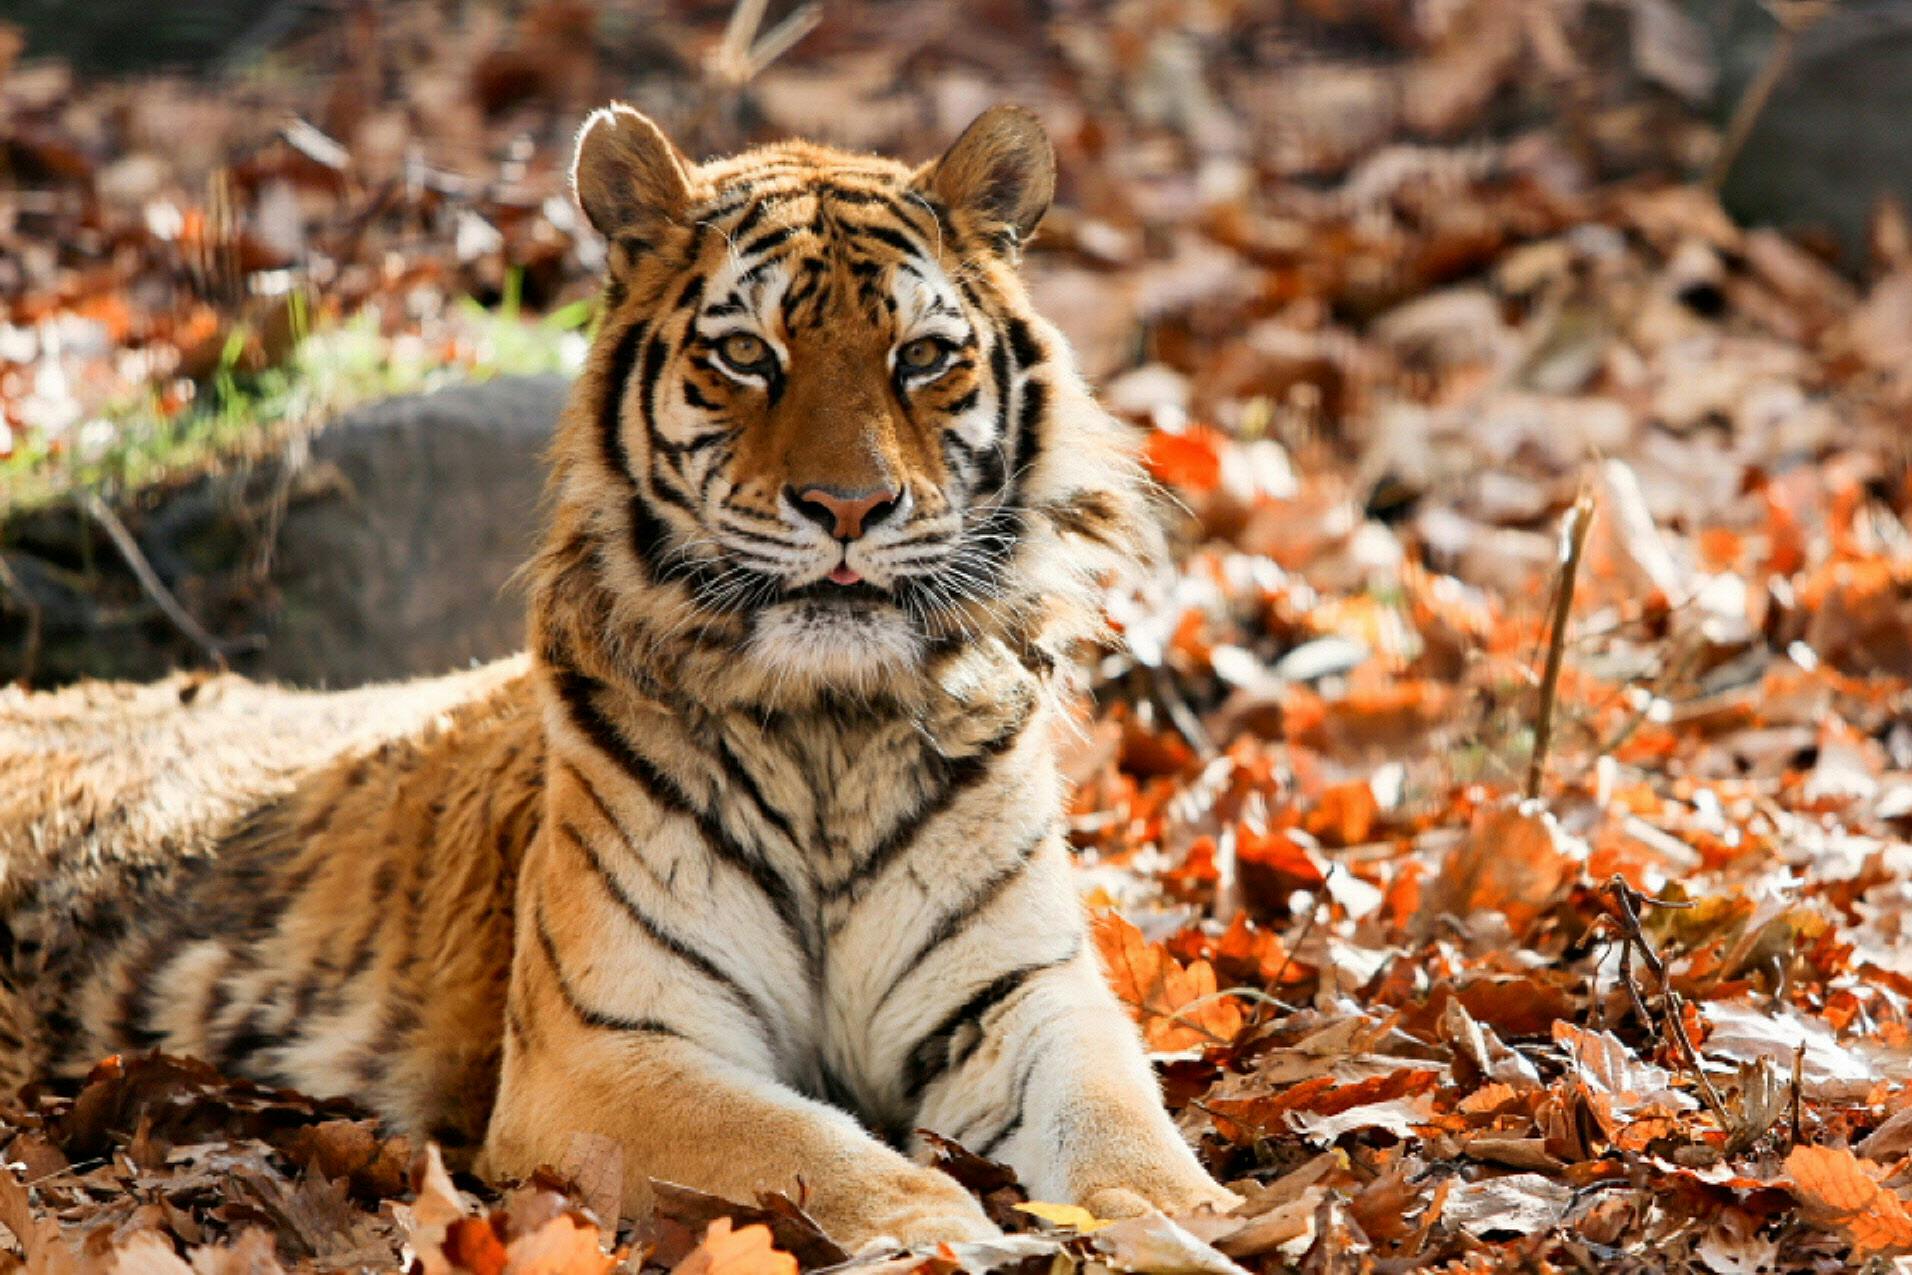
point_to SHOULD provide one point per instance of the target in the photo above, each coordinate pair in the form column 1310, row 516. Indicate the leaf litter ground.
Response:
column 1651, row 1015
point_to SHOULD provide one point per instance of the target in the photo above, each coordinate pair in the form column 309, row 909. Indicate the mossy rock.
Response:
column 384, row 546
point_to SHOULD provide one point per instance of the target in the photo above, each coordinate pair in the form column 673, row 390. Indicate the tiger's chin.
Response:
column 834, row 643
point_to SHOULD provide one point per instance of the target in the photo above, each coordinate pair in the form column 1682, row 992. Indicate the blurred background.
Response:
column 1434, row 252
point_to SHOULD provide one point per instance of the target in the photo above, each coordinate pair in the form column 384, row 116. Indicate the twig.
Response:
column 1798, row 1084
column 1795, row 19
column 1573, row 543
column 1676, row 1027
column 149, row 580
column 742, row 55
column 1254, row 994
column 1288, row 957
column 1627, row 903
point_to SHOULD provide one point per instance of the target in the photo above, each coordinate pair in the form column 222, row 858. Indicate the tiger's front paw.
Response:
column 927, row 1209
column 1177, row 1199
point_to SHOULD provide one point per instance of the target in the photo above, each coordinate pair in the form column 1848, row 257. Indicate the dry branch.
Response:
column 149, row 580
column 1573, row 543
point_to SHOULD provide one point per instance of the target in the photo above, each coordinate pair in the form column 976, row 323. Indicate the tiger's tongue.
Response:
column 844, row 575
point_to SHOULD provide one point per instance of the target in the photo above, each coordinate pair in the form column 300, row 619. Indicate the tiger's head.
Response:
column 822, row 435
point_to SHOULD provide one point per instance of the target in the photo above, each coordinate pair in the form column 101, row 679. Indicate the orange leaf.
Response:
column 1190, row 459
column 1511, row 862
column 1834, row 1183
column 1176, row 1006
column 1249, row 954
column 1273, row 866
column 742, row 1252
column 1245, row 1118
column 472, row 1245
column 1346, row 814
column 565, row 1246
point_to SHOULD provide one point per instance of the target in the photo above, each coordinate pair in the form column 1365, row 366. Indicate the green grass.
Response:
column 328, row 372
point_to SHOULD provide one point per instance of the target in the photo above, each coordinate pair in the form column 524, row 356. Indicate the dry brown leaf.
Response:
column 1178, row 1007
column 562, row 1246
column 1512, row 862
column 1840, row 1188
column 747, row 1251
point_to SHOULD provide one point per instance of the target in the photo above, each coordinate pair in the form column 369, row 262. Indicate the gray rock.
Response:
column 385, row 547
column 410, row 568
column 1837, row 132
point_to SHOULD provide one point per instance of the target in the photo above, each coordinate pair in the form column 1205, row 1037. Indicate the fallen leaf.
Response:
column 1068, row 1216
column 1512, row 862
column 566, row 1246
column 1841, row 1190
column 747, row 1251
column 1178, row 1008
column 1153, row 1243
column 1518, row 1204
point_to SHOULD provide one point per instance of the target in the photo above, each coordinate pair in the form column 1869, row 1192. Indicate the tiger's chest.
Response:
column 891, row 844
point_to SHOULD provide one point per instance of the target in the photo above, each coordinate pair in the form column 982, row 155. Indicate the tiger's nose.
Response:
column 844, row 514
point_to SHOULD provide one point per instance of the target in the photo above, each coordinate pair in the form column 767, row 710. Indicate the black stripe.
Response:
column 894, row 238
column 749, row 219
column 693, row 446
column 999, row 374
column 597, row 801
column 657, row 934
column 1035, row 398
column 766, row 241
column 1008, row 1131
column 251, row 1038
column 931, row 1056
column 585, row 1014
column 653, row 372
column 756, row 274
column 669, row 494
column 744, row 534
column 610, row 411
column 1022, row 343
column 739, row 775
column 959, row 918
column 650, row 538
column 575, row 690
column 959, row 776
column 812, row 280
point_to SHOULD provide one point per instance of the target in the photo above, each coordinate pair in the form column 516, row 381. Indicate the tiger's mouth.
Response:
column 860, row 595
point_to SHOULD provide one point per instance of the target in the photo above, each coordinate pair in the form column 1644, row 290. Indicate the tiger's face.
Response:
column 825, row 401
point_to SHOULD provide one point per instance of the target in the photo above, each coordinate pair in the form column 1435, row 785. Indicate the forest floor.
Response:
column 1498, row 820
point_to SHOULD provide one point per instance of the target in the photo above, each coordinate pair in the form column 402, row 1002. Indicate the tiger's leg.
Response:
column 680, row 1112
column 1053, row 1081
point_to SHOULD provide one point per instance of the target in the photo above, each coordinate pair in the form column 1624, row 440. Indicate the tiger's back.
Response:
column 310, row 888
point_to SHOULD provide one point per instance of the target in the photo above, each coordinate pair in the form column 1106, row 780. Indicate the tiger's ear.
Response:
column 628, row 177
column 1001, row 170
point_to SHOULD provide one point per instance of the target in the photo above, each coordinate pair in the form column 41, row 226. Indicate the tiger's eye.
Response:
column 742, row 350
column 921, row 354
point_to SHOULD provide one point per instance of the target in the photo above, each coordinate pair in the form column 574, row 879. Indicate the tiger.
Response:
column 752, row 873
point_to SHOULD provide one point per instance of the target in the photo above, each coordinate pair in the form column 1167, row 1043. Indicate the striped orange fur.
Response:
column 755, row 865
